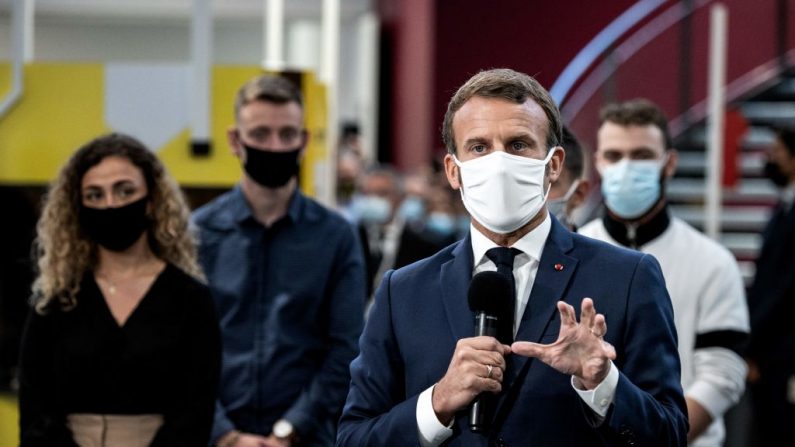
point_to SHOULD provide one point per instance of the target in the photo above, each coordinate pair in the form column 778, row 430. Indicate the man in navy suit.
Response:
column 607, row 378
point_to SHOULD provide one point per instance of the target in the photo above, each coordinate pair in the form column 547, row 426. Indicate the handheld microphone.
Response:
column 490, row 294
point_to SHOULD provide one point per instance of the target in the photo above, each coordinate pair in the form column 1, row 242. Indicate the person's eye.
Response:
column 644, row 156
column 288, row 135
column 478, row 148
column 259, row 135
column 92, row 196
column 126, row 192
column 519, row 146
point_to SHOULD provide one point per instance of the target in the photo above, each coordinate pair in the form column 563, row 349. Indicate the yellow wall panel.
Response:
column 315, row 118
column 5, row 79
column 60, row 109
column 9, row 421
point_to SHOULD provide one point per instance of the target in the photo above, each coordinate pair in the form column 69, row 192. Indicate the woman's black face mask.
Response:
column 115, row 228
column 269, row 168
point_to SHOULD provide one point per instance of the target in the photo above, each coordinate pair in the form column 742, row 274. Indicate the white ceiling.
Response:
column 159, row 10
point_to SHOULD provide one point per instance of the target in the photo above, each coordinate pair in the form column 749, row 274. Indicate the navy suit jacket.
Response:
column 421, row 311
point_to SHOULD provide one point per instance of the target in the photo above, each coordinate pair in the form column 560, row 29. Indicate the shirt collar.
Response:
column 531, row 244
column 241, row 211
column 633, row 235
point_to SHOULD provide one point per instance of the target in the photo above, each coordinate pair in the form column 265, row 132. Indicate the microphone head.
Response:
column 490, row 292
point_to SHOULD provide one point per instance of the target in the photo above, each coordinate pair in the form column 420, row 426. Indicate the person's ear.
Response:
column 671, row 163
column 452, row 171
column 235, row 145
column 556, row 163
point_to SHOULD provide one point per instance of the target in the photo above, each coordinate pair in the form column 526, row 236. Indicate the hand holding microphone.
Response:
column 478, row 363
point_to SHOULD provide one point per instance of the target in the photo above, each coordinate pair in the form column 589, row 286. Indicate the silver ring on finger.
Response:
column 489, row 370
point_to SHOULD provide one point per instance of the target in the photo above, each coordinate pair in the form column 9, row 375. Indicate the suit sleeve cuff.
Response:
column 600, row 398
column 221, row 424
column 431, row 432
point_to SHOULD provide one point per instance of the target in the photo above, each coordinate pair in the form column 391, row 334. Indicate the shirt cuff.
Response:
column 600, row 398
column 431, row 432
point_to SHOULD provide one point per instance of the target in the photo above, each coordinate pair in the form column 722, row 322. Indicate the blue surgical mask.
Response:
column 412, row 209
column 370, row 209
column 462, row 224
column 631, row 187
column 441, row 224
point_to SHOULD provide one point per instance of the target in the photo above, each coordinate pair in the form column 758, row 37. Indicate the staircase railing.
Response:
column 658, row 49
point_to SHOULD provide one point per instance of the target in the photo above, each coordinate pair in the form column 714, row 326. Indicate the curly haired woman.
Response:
column 123, row 347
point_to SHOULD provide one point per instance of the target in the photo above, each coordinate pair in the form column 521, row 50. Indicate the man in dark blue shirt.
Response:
column 287, row 276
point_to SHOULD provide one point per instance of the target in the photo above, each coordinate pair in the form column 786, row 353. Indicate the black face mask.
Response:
column 271, row 169
column 773, row 172
column 115, row 228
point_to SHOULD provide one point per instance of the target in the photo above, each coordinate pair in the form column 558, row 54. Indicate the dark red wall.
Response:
column 536, row 37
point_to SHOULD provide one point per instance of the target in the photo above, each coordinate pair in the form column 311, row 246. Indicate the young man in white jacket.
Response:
column 634, row 158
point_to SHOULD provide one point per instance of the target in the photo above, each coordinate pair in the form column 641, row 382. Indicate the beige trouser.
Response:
column 113, row 430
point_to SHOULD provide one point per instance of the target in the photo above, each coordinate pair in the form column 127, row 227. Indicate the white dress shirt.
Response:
column 525, row 267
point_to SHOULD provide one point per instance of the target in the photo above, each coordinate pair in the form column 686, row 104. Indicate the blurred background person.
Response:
column 287, row 277
column 397, row 228
column 416, row 184
column 122, row 347
column 635, row 158
column 772, row 302
column 571, row 189
column 350, row 165
column 374, row 208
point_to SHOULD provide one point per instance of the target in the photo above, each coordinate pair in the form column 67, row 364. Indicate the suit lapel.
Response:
column 456, row 275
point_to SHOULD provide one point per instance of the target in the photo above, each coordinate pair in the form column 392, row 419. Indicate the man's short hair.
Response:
column 787, row 137
column 271, row 88
column 507, row 84
column 574, row 162
column 637, row 112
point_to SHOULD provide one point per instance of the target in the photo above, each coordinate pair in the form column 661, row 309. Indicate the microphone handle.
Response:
column 484, row 325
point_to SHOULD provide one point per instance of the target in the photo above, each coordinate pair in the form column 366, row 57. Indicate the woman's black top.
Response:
column 165, row 360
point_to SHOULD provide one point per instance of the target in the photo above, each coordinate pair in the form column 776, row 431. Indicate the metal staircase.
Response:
column 747, row 205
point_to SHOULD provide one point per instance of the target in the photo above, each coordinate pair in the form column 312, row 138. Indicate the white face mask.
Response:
column 503, row 191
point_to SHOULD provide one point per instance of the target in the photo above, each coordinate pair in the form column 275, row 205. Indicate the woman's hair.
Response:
column 64, row 254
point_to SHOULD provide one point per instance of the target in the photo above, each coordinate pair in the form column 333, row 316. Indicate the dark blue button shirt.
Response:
column 290, row 302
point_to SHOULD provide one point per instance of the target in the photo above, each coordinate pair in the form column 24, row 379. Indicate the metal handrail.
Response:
column 18, row 10
column 599, row 45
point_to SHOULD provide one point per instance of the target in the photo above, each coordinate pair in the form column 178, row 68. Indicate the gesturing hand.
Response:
column 579, row 350
column 478, row 365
